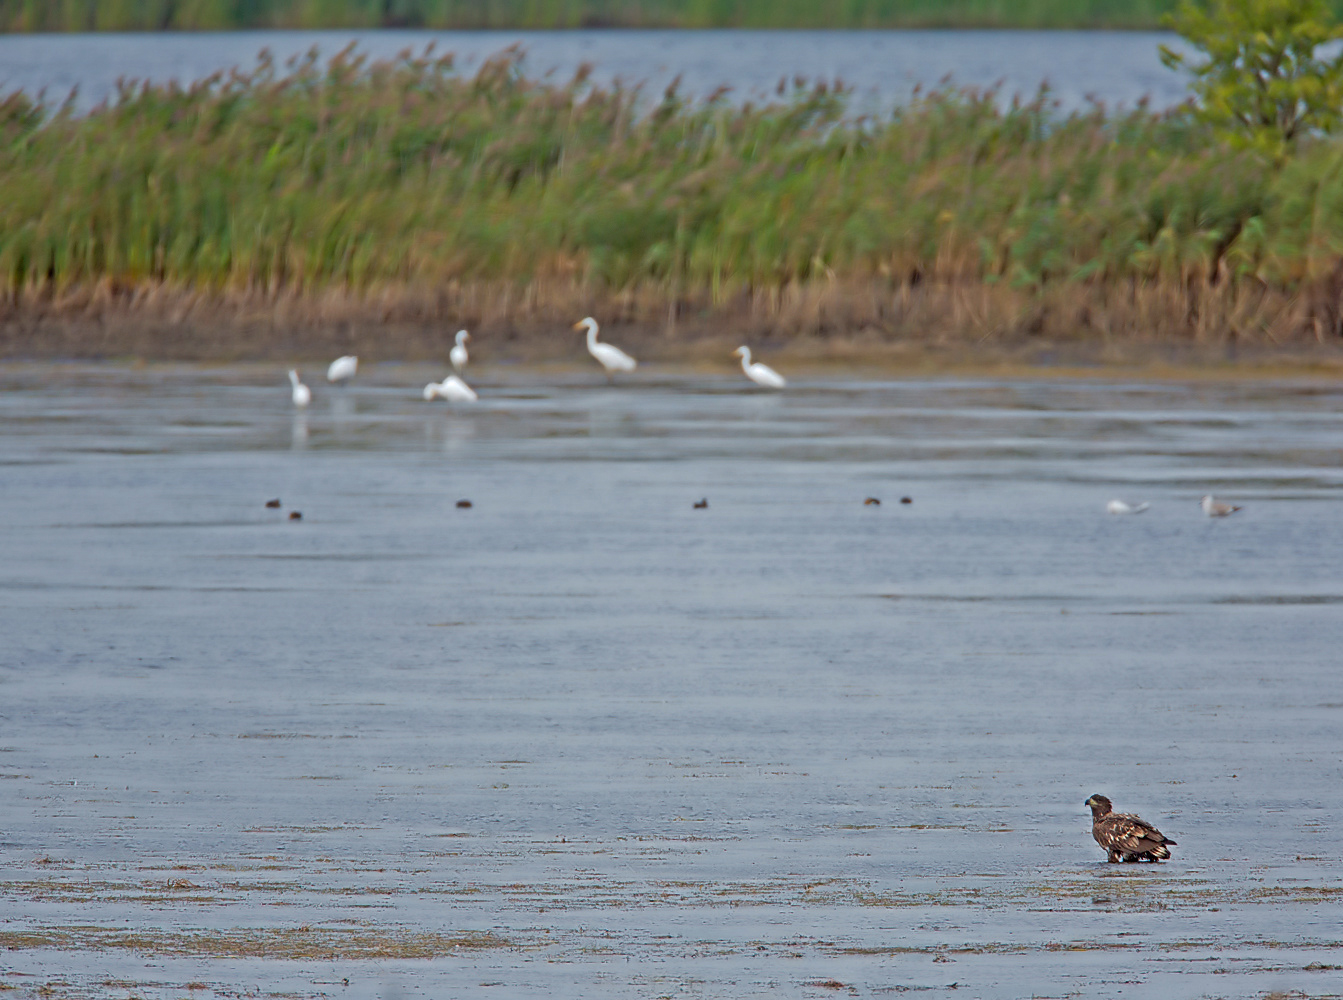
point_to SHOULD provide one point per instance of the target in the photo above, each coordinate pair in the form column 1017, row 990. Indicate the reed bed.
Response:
column 402, row 193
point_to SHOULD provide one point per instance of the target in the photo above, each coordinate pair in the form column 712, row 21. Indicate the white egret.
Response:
column 758, row 373
column 458, row 355
column 1120, row 507
column 301, row 394
column 613, row 359
column 342, row 369
column 453, row 389
column 1214, row 509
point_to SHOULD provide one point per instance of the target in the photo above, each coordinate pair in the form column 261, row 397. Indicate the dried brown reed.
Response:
column 824, row 322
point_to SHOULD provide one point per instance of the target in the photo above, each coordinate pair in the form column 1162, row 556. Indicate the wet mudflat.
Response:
column 585, row 739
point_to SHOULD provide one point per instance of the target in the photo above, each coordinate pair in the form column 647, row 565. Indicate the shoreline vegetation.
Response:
column 217, row 15
column 375, row 208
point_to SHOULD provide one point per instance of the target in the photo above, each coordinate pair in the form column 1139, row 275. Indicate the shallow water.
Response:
column 882, row 67
column 584, row 739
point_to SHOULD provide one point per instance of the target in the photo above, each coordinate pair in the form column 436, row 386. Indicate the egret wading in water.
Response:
column 458, row 355
column 612, row 358
column 453, row 389
column 342, row 369
column 758, row 373
column 301, row 394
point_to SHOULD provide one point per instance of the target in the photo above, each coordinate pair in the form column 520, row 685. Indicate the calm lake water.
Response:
column 607, row 744
column 882, row 67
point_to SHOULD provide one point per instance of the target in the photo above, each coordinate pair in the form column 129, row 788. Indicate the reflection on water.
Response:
column 449, row 430
column 612, row 414
column 340, row 402
column 298, row 432
column 814, row 739
column 458, row 430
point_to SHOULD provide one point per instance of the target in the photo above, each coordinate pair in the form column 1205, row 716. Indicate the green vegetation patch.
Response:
column 405, row 174
column 354, row 174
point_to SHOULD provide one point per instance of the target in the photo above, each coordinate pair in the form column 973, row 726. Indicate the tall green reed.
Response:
column 358, row 175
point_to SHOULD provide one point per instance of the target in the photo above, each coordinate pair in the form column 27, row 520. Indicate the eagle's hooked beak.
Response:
column 1089, row 802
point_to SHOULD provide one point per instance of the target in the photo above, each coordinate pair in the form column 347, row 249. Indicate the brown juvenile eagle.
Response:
column 1124, row 836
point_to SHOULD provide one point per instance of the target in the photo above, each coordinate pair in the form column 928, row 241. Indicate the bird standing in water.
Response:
column 342, row 369
column 458, row 355
column 301, row 394
column 612, row 358
column 453, row 389
column 1124, row 836
column 758, row 373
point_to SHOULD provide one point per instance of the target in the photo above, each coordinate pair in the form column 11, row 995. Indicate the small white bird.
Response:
column 758, row 373
column 301, row 394
column 458, row 354
column 1214, row 509
column 453, row 389
column 342, row 369
column 1120, row 507
column 612, row 358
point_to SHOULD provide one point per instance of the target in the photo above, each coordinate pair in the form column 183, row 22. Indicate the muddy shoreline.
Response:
column 914, row 328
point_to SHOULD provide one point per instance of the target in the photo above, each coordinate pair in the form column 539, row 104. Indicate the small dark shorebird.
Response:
column 464, row 504
column 1124, row 836
column 702, row 504
column 871, row 502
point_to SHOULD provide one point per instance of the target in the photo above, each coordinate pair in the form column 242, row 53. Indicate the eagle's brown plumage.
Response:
column 1126, row 837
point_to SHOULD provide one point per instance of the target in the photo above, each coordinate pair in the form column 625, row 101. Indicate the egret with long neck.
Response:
column 758, row 373
column 301, row 394
column 458, row 354
column 612, row 358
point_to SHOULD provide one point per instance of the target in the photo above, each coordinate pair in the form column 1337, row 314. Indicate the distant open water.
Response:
column 882, row 67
